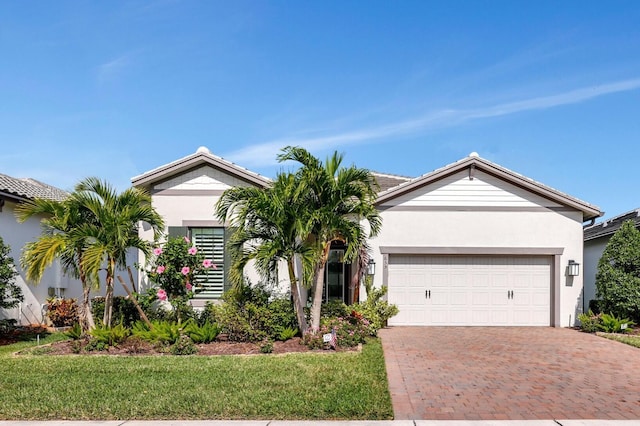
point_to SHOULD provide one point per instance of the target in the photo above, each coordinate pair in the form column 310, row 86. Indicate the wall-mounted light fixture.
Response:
column 371, row 267
column 573, row 268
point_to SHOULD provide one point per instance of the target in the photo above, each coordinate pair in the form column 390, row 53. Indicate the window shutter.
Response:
column 210, row 242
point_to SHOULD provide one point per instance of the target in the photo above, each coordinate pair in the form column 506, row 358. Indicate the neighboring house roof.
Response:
column 201, row 157
column 387, row 181
column 21, row 189
column 473, row 162
column 610, row 226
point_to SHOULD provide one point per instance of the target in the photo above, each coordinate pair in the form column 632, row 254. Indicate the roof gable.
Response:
column 200, row 158
column 471, row 166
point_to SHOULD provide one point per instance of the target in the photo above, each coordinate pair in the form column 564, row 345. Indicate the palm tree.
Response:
column 114, row 229
column 269, row 224
column 339, row 199
column 61, row 238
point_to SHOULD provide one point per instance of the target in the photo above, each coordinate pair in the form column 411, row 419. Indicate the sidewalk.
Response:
column 323, row 422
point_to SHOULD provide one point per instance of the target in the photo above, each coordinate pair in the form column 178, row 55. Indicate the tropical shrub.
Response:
column 287, row 333
column 184, row 346
column 62, row 312
column 618, row 276
column 124, row 310
column 175, row 268
column 611, row 324
column 205, row 333
column 590, row 322
column 75, row 332
column 162, row 332
column 10, row 293
column 333, row 309
column 350, row 331
column 110, row 336
column 376, row 310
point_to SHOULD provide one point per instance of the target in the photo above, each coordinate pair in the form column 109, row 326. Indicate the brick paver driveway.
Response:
column 509, row 373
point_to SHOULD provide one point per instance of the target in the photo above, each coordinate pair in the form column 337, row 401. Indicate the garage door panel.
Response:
column 470, row 290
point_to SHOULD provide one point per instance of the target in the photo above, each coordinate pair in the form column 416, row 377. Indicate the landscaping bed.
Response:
column 137, row 347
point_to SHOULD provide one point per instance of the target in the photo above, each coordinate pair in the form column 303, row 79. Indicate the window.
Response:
column 210, row 242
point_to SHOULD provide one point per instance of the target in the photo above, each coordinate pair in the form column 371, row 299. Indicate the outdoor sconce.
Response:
column 573, row 269
column 371, row 267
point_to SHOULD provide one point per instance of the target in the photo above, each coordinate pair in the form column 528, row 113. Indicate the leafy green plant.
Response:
column 205, row 333
column 590, row 322
column 183, row 346
column 124, row 310
column 75, row 332
column 163, row 332
column 62, row 312
column 7, row 325
column 95, row 345
column 110, row 336
column 267, row 346
column 287, row 333
column 611, row 324
column 376, row 310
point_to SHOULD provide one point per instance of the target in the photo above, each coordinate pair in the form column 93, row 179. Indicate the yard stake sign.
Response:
column 331, row 338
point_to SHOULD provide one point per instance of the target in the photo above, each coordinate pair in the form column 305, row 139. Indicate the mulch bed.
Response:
column 139, row 347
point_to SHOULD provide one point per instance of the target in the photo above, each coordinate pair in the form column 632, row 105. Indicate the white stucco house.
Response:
column 472, row 243
column 16, row 235
column 596, row 237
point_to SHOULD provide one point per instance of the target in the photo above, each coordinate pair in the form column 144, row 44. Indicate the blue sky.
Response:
column 113, row 89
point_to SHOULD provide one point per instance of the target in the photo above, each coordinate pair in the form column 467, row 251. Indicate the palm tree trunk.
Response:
column 298, row 307
column 86, row 317
column 318, row 287
column 108, row 297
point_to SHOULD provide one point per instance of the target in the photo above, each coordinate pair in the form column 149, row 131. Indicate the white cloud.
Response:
column 265, row 153
column 109, row 70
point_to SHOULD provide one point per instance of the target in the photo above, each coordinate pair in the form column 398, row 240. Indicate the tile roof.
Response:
column 387, row 181
column 610, row 226
column 27, row 188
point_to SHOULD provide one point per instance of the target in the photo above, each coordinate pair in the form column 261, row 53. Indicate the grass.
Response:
column 629, row 340
column 345, row 385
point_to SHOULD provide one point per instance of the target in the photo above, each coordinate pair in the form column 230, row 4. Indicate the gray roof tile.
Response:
column 27, row 188
column 610, row 226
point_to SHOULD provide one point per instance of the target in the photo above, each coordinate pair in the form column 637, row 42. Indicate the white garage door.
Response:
column 470, row 290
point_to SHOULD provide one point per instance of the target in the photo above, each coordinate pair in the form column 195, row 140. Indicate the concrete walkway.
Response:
column 510, row 373
column 331, row 423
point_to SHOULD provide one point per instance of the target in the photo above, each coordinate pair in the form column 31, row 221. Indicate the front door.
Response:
column 335, row 276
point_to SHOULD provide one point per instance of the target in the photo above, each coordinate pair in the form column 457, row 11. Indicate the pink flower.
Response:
column 162, row 295
column 185, row 270
column 188, row 286
column 157, row 251
column 160, row 269
column 186, row 240
column 207, row 263
column 193, row 250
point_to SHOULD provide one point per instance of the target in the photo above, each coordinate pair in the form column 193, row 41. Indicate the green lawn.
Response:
column 632, row 340
column 296, row 386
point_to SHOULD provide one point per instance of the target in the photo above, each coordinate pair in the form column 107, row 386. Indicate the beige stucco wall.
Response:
column 593, row 250
column 490, row 229
column 17, row 235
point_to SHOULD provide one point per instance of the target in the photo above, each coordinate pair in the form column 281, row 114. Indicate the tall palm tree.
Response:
column 269, row 224
column 62, row 238
column 340, row 199
column 114, row 229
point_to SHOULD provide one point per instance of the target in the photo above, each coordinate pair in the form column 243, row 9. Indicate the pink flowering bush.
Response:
column 174, row 268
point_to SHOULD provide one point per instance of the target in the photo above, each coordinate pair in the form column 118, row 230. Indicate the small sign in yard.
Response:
column 623, row 326
column 326, row 338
